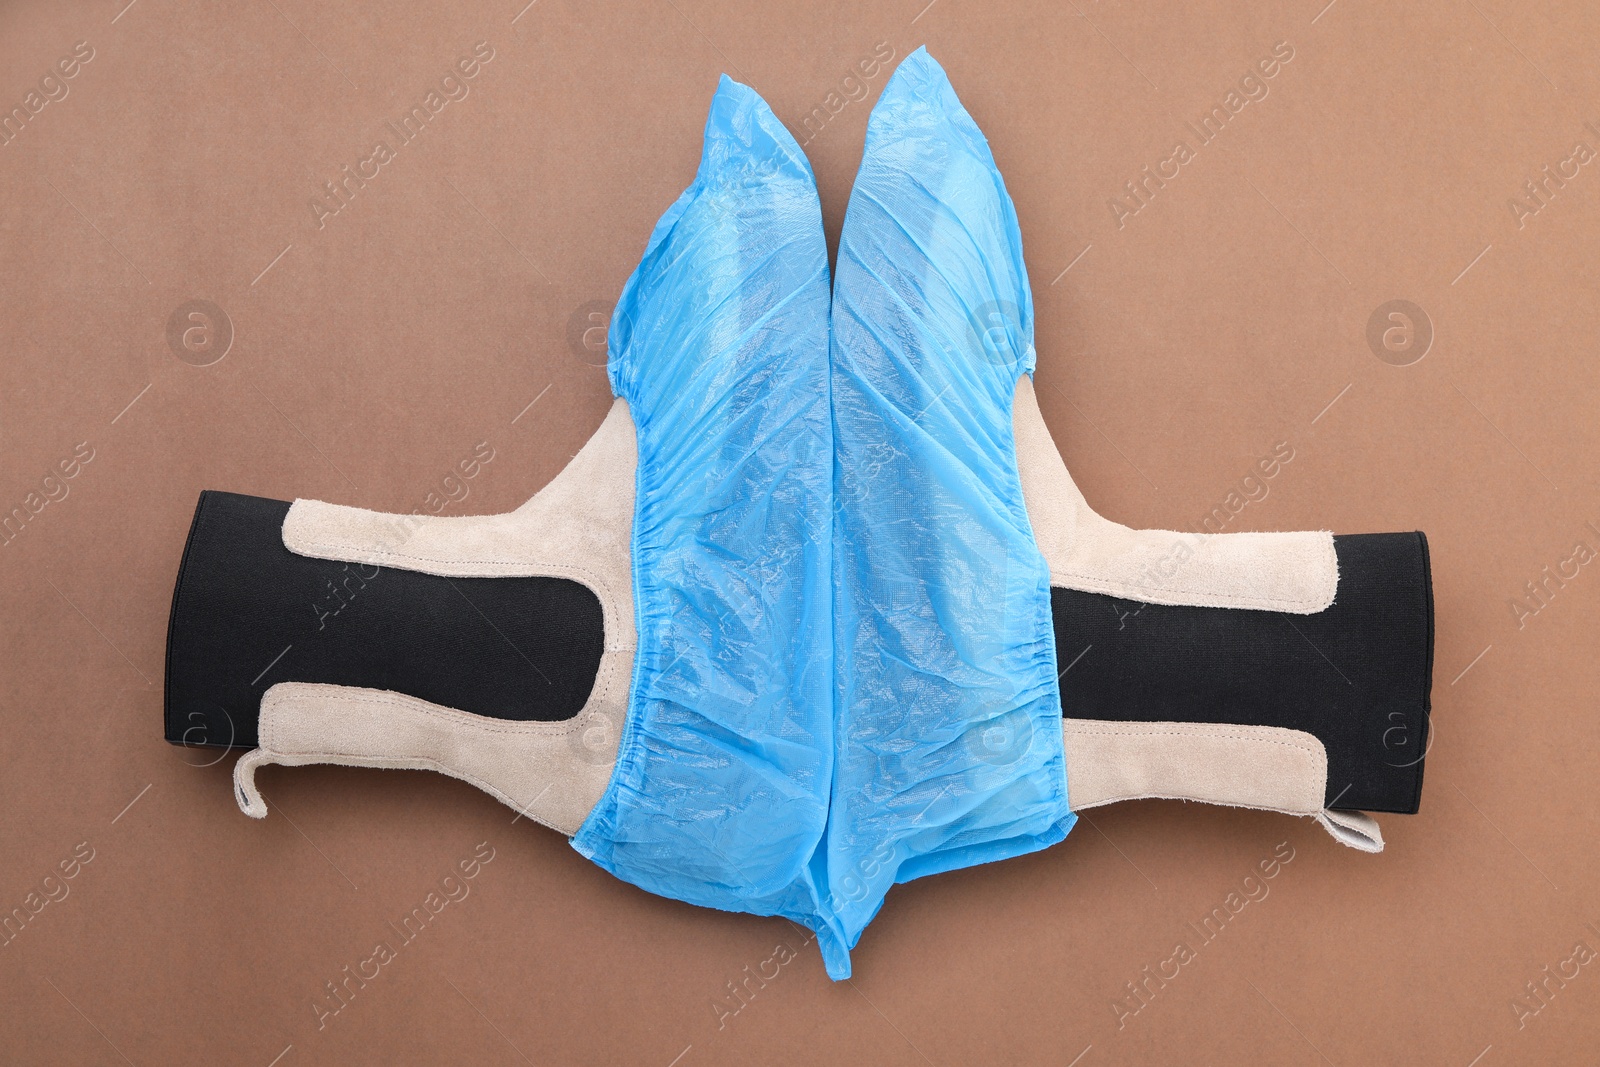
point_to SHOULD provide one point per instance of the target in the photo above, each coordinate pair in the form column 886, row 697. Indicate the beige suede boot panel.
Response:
column 580, row 527
column 1265, row 767
column 1243, row 766
column 552, row 772
column 1290, row 572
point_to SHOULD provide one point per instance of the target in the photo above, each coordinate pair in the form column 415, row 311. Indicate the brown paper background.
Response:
column 1227, row 315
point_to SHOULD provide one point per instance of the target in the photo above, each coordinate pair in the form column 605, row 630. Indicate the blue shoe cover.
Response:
column 719, row 344
column 947, row 710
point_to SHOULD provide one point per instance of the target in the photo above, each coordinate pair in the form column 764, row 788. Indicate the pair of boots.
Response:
column 818, row 608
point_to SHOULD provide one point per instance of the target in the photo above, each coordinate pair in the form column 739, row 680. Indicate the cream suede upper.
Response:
column 579, row 527
column 1293, row 572
column 1263, row 767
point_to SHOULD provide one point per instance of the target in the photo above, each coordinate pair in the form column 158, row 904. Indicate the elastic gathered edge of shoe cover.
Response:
column 946, row 708
column 719, row 344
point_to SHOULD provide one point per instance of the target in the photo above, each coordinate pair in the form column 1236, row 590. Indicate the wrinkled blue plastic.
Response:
column 947, row 709
column 719, row 344
column 846, row 671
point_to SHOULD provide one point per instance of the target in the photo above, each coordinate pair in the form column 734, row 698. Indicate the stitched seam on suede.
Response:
column 1311, row 813
column 605, row 680
column 1306, row 750
column 609, row 672
column 611, row 615
column 272, row 747
column 599, row 585
column 1118, row 589
column 1296, row 745
column 389, row 554
column 431, row 710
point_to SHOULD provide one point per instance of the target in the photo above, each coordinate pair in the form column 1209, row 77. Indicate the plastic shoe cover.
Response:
column 947, row 710
column 719, row 345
